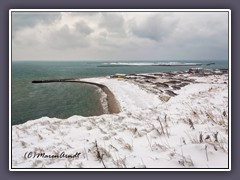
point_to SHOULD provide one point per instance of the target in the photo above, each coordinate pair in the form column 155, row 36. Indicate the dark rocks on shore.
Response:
column 183, row 84
column 173, row 82
column 158, row 75
column 170, row 74
column 176, row 87
column 170, row 93
column 149, row 77
column 206, row 72
column 224, row 70
column 158, row 90
column 147, row 81
column 163, row 85
column 199, row 71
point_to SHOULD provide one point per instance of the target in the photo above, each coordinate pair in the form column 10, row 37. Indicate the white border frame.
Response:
column 121, row 10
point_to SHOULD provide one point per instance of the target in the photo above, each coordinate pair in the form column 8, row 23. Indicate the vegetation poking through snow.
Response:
column 189, row 130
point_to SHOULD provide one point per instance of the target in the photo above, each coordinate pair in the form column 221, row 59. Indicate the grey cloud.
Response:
column 155, row 27
column 30, row 19
column 209, row 24
column 112, row 22
column 117, row 35
column 83, row 28
column 206, row 31
column 67, row 38
column 83, row 14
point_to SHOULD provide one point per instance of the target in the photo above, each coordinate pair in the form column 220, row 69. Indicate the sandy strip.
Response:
column 113, row 105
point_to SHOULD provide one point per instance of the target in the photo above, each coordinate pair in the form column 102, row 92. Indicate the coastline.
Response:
column 113, row 106
column 167, row 120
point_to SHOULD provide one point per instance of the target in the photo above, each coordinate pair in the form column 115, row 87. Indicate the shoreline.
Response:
column 167, row 90
column 167, row 120
column 113, row 105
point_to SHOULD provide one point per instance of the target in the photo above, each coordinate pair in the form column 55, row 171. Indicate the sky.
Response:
column 111, row 36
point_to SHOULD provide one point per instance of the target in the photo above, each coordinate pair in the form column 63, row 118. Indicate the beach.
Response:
column 175, row 119
column 112, row 103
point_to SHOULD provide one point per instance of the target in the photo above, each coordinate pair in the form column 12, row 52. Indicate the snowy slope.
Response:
column 190, row 130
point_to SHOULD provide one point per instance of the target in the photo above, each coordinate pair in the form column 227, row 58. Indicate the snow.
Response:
column 147, row 133
column 155, row 64
column 128, row 94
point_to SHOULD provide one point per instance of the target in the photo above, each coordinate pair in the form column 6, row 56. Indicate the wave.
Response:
column 103, row 100
column 155, row 64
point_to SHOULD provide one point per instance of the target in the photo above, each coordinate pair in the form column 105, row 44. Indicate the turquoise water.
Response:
column 62, row 100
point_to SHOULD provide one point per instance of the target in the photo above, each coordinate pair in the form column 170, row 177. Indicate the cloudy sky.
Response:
column 119, row 36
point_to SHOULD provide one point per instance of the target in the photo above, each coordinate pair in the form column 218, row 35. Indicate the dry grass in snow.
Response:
column 189, row 130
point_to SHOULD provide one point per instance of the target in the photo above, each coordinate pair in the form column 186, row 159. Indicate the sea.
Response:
column 62, row 100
